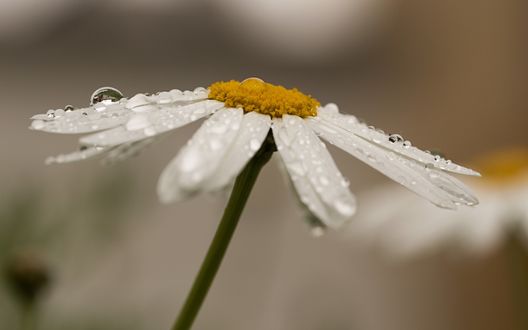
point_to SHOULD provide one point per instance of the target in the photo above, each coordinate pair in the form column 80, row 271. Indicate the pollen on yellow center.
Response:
column 256, row 95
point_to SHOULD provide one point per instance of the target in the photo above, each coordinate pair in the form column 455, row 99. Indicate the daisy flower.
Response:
column 403, row 227
column 246, row 122
column 239, row 117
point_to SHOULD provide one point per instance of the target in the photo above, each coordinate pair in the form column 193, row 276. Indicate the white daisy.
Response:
column 402, row 227
column 240, row 117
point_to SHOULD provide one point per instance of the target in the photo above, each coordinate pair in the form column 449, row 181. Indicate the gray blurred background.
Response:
column 448, row 75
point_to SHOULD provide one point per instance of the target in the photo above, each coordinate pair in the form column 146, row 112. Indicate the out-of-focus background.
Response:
column 449, row 75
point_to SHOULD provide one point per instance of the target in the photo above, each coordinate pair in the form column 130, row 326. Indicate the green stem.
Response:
column 239, row 196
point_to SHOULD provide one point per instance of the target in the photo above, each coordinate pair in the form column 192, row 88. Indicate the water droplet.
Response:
column 137, row 122
column 37, row 124
column 149, row 131
column 395, row 138
column 164, row 98
column 344, row 208
column 297, row 168
column 252, row 79
column 190, row 160
column 254, row 144
column 199, row 90
column 332, row 108
column 407, row 144
column 103, row 94
column 69, row 108
column 324, row 180
column 437, row 158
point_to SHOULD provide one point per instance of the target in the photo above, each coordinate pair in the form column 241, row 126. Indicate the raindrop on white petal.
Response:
column 297, row 168
column 37, row 124
column 137, row 122
column 149, row 131
column 190, row 160
column 219, row 129
column 254, row 144
column 332, row 108
column 324, row 180
column 103, row 94
column 395, row 138
column 198, row 90
column 215, row 144
column 344, row 208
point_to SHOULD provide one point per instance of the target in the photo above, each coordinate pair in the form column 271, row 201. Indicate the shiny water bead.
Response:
column 37, row 124
column 105, row 95
column 69, row 108
column 395, row 138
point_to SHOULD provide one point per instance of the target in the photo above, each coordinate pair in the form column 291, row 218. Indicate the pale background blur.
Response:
column 448, row 75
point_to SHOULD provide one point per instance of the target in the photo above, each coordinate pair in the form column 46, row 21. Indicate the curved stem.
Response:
column 239, row 196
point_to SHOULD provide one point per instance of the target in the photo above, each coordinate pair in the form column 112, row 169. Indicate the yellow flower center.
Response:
column 254, row 94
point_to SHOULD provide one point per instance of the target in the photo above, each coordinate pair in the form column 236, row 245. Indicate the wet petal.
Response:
column 127, row 150
column 107, row 114
column 84, row 153
column 318, row 182
column 95, row 118
column 392, row 142
column 187, row 173
column 439, row 188
column 145, row 125
column 253, row 131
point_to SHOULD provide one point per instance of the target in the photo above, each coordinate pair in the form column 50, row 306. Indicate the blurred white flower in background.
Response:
column 304, row 30
column 401, row 226
column 300, row 30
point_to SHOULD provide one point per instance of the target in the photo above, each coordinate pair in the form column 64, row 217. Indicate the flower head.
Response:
column 240, row 115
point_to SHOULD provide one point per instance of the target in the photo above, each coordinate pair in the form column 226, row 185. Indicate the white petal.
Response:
column 437, row 187
column 253, row 131
column 106, row 115
column 318, row 182
column 83, row 154
column 145, row 125
column 127, row 150
column 186, row 173
column 317, row 226
column 98, row 117
column 351, row 124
